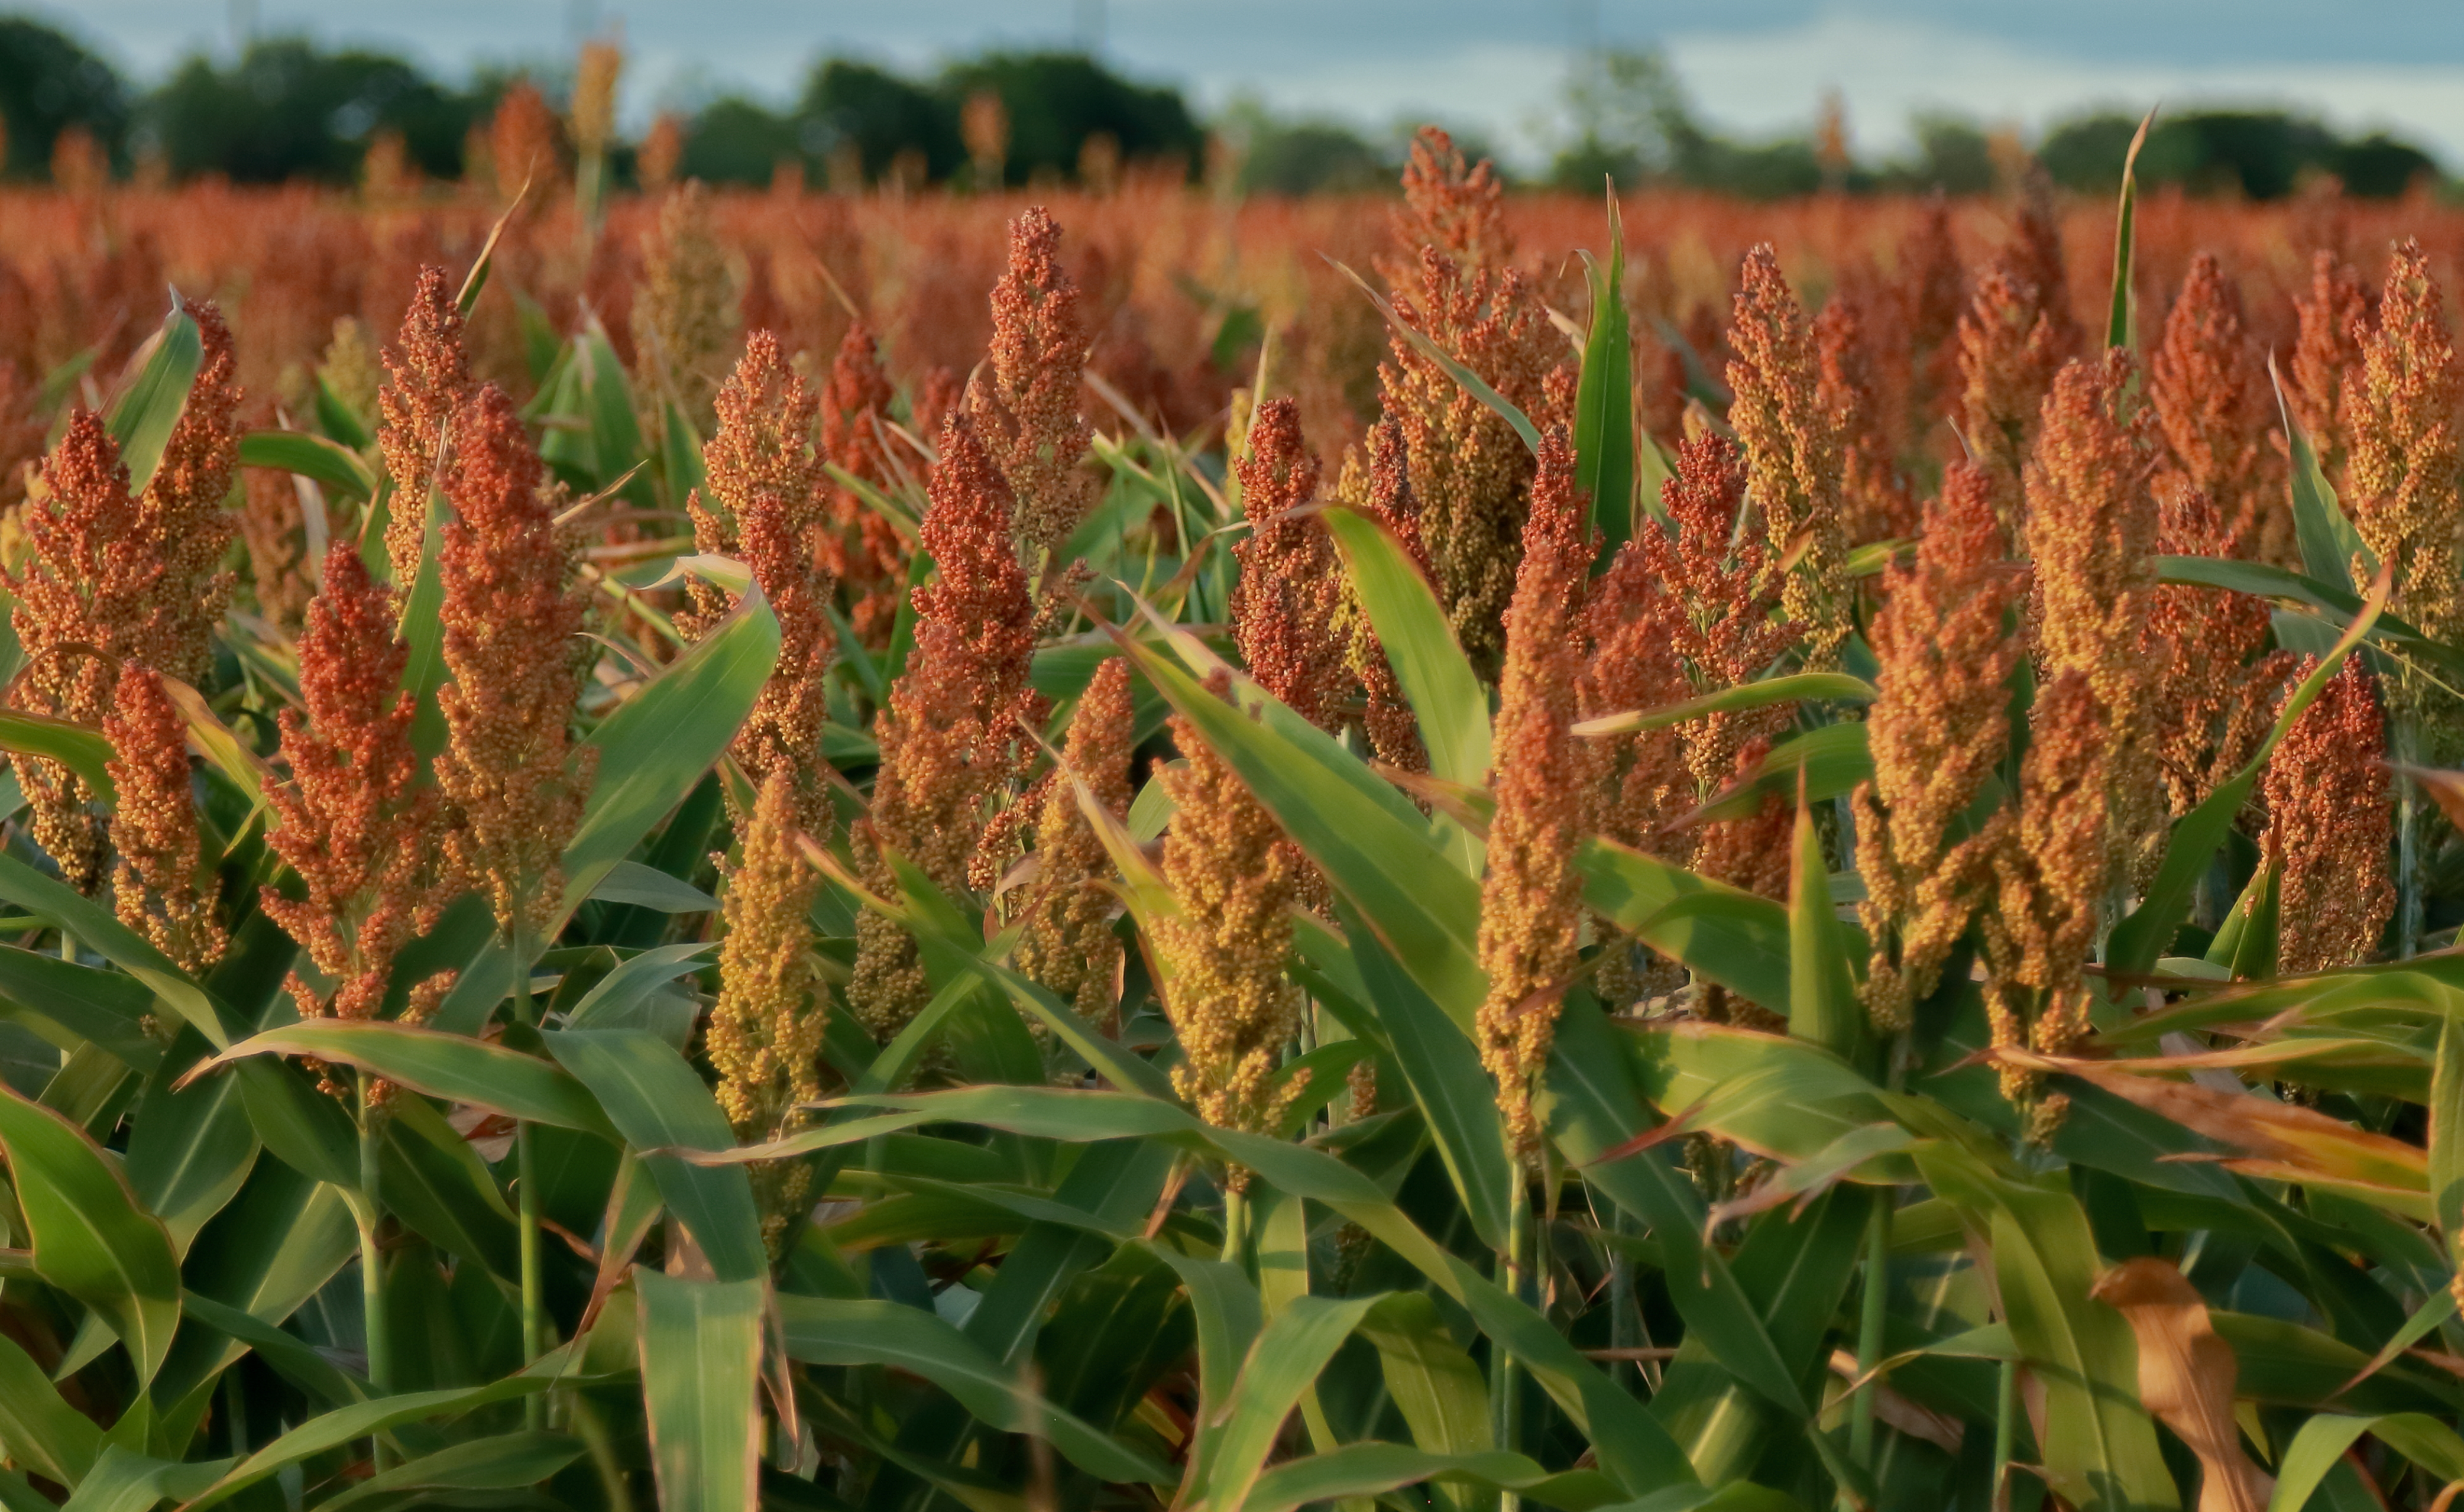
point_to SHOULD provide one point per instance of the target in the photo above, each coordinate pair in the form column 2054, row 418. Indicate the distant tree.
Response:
column 1952, row 155
column 2258, row 154
column 738, row 140
column 1281, row 156
column 1058, row 100
column 289, row 110
column 47, row 83
column 881, row 115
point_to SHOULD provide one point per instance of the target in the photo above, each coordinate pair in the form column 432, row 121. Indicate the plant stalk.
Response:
column 2408, row 844
column 376, row 1326
column 1506, row 1376
column 526, row 1195
column 1236, row 1226
column 1625, row 1318
column 1869, row 1329
column 2005, row 1430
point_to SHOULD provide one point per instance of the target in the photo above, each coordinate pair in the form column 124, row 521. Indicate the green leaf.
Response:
column 2446, row 1138
column 823, row 1330
column 2139, row 939
column 613, row 1001
column 1725, row 934
column 1434, row 1382
column 1604, row 399
column 91, row 925
column 79, row 747
column 653, row 750
column 1795, row 687
column 2245, row 943
column 658, row 1104
column 337, row 419
column 188, row 1151
column 1469, row 380
column 1630, row 1444
column 630, row 882
column 1593, row 1107
column 1284, row 1362
column 91, row 1239
column 2322, row 1440
column 2328, row 541
column 70, row 1001
column 1448, row 1081
column 1437, row 679
column 505, row 1462
column 311, row 456
column 1822, row 1005
column 1229, row 1316
column 1828, row 761
column 341, row 1426
column 39, row 1431
column 1373, row 1469
column 701, row 1370
column 2100, row 1444
column 680, row 457
column 1423, row 907
column 447, row 1066
column 141, row 421
column 2119, row 330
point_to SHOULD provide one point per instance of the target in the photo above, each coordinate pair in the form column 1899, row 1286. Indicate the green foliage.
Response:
column 2257, row 155
column 288, row 109
column 49, row 82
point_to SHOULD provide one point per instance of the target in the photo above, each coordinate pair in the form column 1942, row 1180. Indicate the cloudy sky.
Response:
column 1752, row 65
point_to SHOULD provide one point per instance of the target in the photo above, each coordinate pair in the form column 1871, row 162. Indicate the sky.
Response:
column 1754, row 67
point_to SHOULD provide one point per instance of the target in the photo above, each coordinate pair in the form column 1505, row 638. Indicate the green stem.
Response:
column 1869, row 1327
column 1625, row 1316
column 1236, row 1227
column 2407, row 866
column 2005, row 1430
column 526, row 1193
column 1506, row 1391
column 377, row 1327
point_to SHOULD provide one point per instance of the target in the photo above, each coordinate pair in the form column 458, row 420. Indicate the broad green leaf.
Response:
column 2446, row 1138
column 2119, row 328
column 124, row 1481
column 1229, row 1317
column 506, row 1463
column 188, row 1151
column 2322, row 1441
column 1434, row 1382
column 659, row 1105
column 1437, row 679
column 1604, row 399
column 2326, row 534
column 701, row 1371
column 2139, row 939
column 1283, row 1363
column 611, row 1004
column 615, row 435
column 311, row 456
column 2245, row 943
column 1795, row 687
column 830, row 1331
column 1822, row 1005
column 96, row 928
column 648, row 887
column 1454, row 1092
column 1593, row 1107
column 2319, row 609
column 143, row 419
column 1423, row 907
column 680, row 459
column 1630, row 1445
column 2100, row 1443
column 446, row 1065
column 1725, row 934
column 336, row 418
column 653, row 750
column 1372, row 1469
column 91, row 1239
column 39, row 1431
column 71, row 1002
column 291, row 1357
column 1822, row 763
column 339, row 1427
column 79, row 747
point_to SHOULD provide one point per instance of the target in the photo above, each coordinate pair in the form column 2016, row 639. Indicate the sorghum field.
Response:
column 1123, row 849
